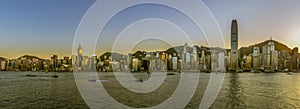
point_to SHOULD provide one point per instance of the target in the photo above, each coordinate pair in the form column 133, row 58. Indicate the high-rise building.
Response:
column 274, row 58
column 283, row 55
column 174, row 63
column 295, row 58
column 202, row 61
column 74, row 60
column 66, row 60
column 248, row 61
column 270, row 56
column 256, row 57
column 54, row 62
column 265, row 56
column 94, row 62
column 2, row 64
column 79, row 56
column 234, row 46
column 195, row 59
column 214, row 60
column 221, row 62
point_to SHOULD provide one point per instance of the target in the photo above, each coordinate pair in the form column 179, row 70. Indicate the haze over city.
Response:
column 43, row 28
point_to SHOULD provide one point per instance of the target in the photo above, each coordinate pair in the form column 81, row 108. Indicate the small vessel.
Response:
column 269, row 71
column 30, row 75
column 55, row 76
column 92, row 80
column 255, row 71
column 289, row 73
column 139, row 80
column 239, row 71
column 170, row 73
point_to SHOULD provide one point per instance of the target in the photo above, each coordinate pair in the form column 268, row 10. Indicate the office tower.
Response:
column 265, row 56
column 129, row 61
column 195, row 59
column 174, row 63
column 66, row 60
column 214, row 60
column 221, row 62
column 53, row 61
column 271, row 45
column 85, row 62
column 74, row 60
column 248, row 61
column 234, row 46
column 79, row 56
column 295, row 58
column 3, row 65
column 93, row 62
column 256, row 57
column 270, row 56
column 203, row 62
column 274, row 59
column 135, row 64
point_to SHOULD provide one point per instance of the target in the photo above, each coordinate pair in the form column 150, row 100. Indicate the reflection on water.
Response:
column 235, row 94
column 18, row 91
column 242, row 90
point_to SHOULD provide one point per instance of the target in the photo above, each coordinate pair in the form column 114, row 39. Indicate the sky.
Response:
column 46, row 27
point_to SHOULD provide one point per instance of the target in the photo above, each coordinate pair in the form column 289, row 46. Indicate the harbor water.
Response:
column 241, row 90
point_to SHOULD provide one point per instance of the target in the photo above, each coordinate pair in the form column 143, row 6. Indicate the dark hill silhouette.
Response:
column 115, row 56
column 30, row 57
column 278, row 46
column 2, row 59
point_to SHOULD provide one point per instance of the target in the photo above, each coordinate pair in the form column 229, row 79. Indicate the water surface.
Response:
column 243, row 90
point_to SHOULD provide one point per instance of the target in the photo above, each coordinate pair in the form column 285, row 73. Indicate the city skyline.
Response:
column 166, row 54
column 44, row 28
column 141, row 47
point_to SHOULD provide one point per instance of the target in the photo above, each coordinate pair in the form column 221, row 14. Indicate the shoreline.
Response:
column 146, row 72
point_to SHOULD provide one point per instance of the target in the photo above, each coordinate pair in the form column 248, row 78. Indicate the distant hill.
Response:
column 278, row 46
column 1, row 58
column 30, row 57
column 115, row 56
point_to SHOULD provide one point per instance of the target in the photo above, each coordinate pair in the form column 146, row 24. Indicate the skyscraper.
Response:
column 256, row 57
column 270, row 56
column 295, row 58
column 234, row 46
column 79, row 56
column 53, row 62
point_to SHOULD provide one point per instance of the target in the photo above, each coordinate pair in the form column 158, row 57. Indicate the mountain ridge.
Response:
column 278, row 46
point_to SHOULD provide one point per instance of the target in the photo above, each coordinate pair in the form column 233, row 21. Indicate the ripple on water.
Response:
column 244, row 90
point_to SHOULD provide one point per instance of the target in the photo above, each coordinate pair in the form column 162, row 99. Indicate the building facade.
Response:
column 234, row 46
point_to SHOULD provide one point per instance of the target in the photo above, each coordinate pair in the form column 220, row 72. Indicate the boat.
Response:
column 286, row 70
column 239, row 71
column 255, row 71
column 269, row 71
column 139, row 80
column 55, row 76
column 289, row 73
column 171, row 73
column 92, row 80
column 30, row 75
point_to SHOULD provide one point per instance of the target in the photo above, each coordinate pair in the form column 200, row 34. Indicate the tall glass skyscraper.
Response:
column 234, row 46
